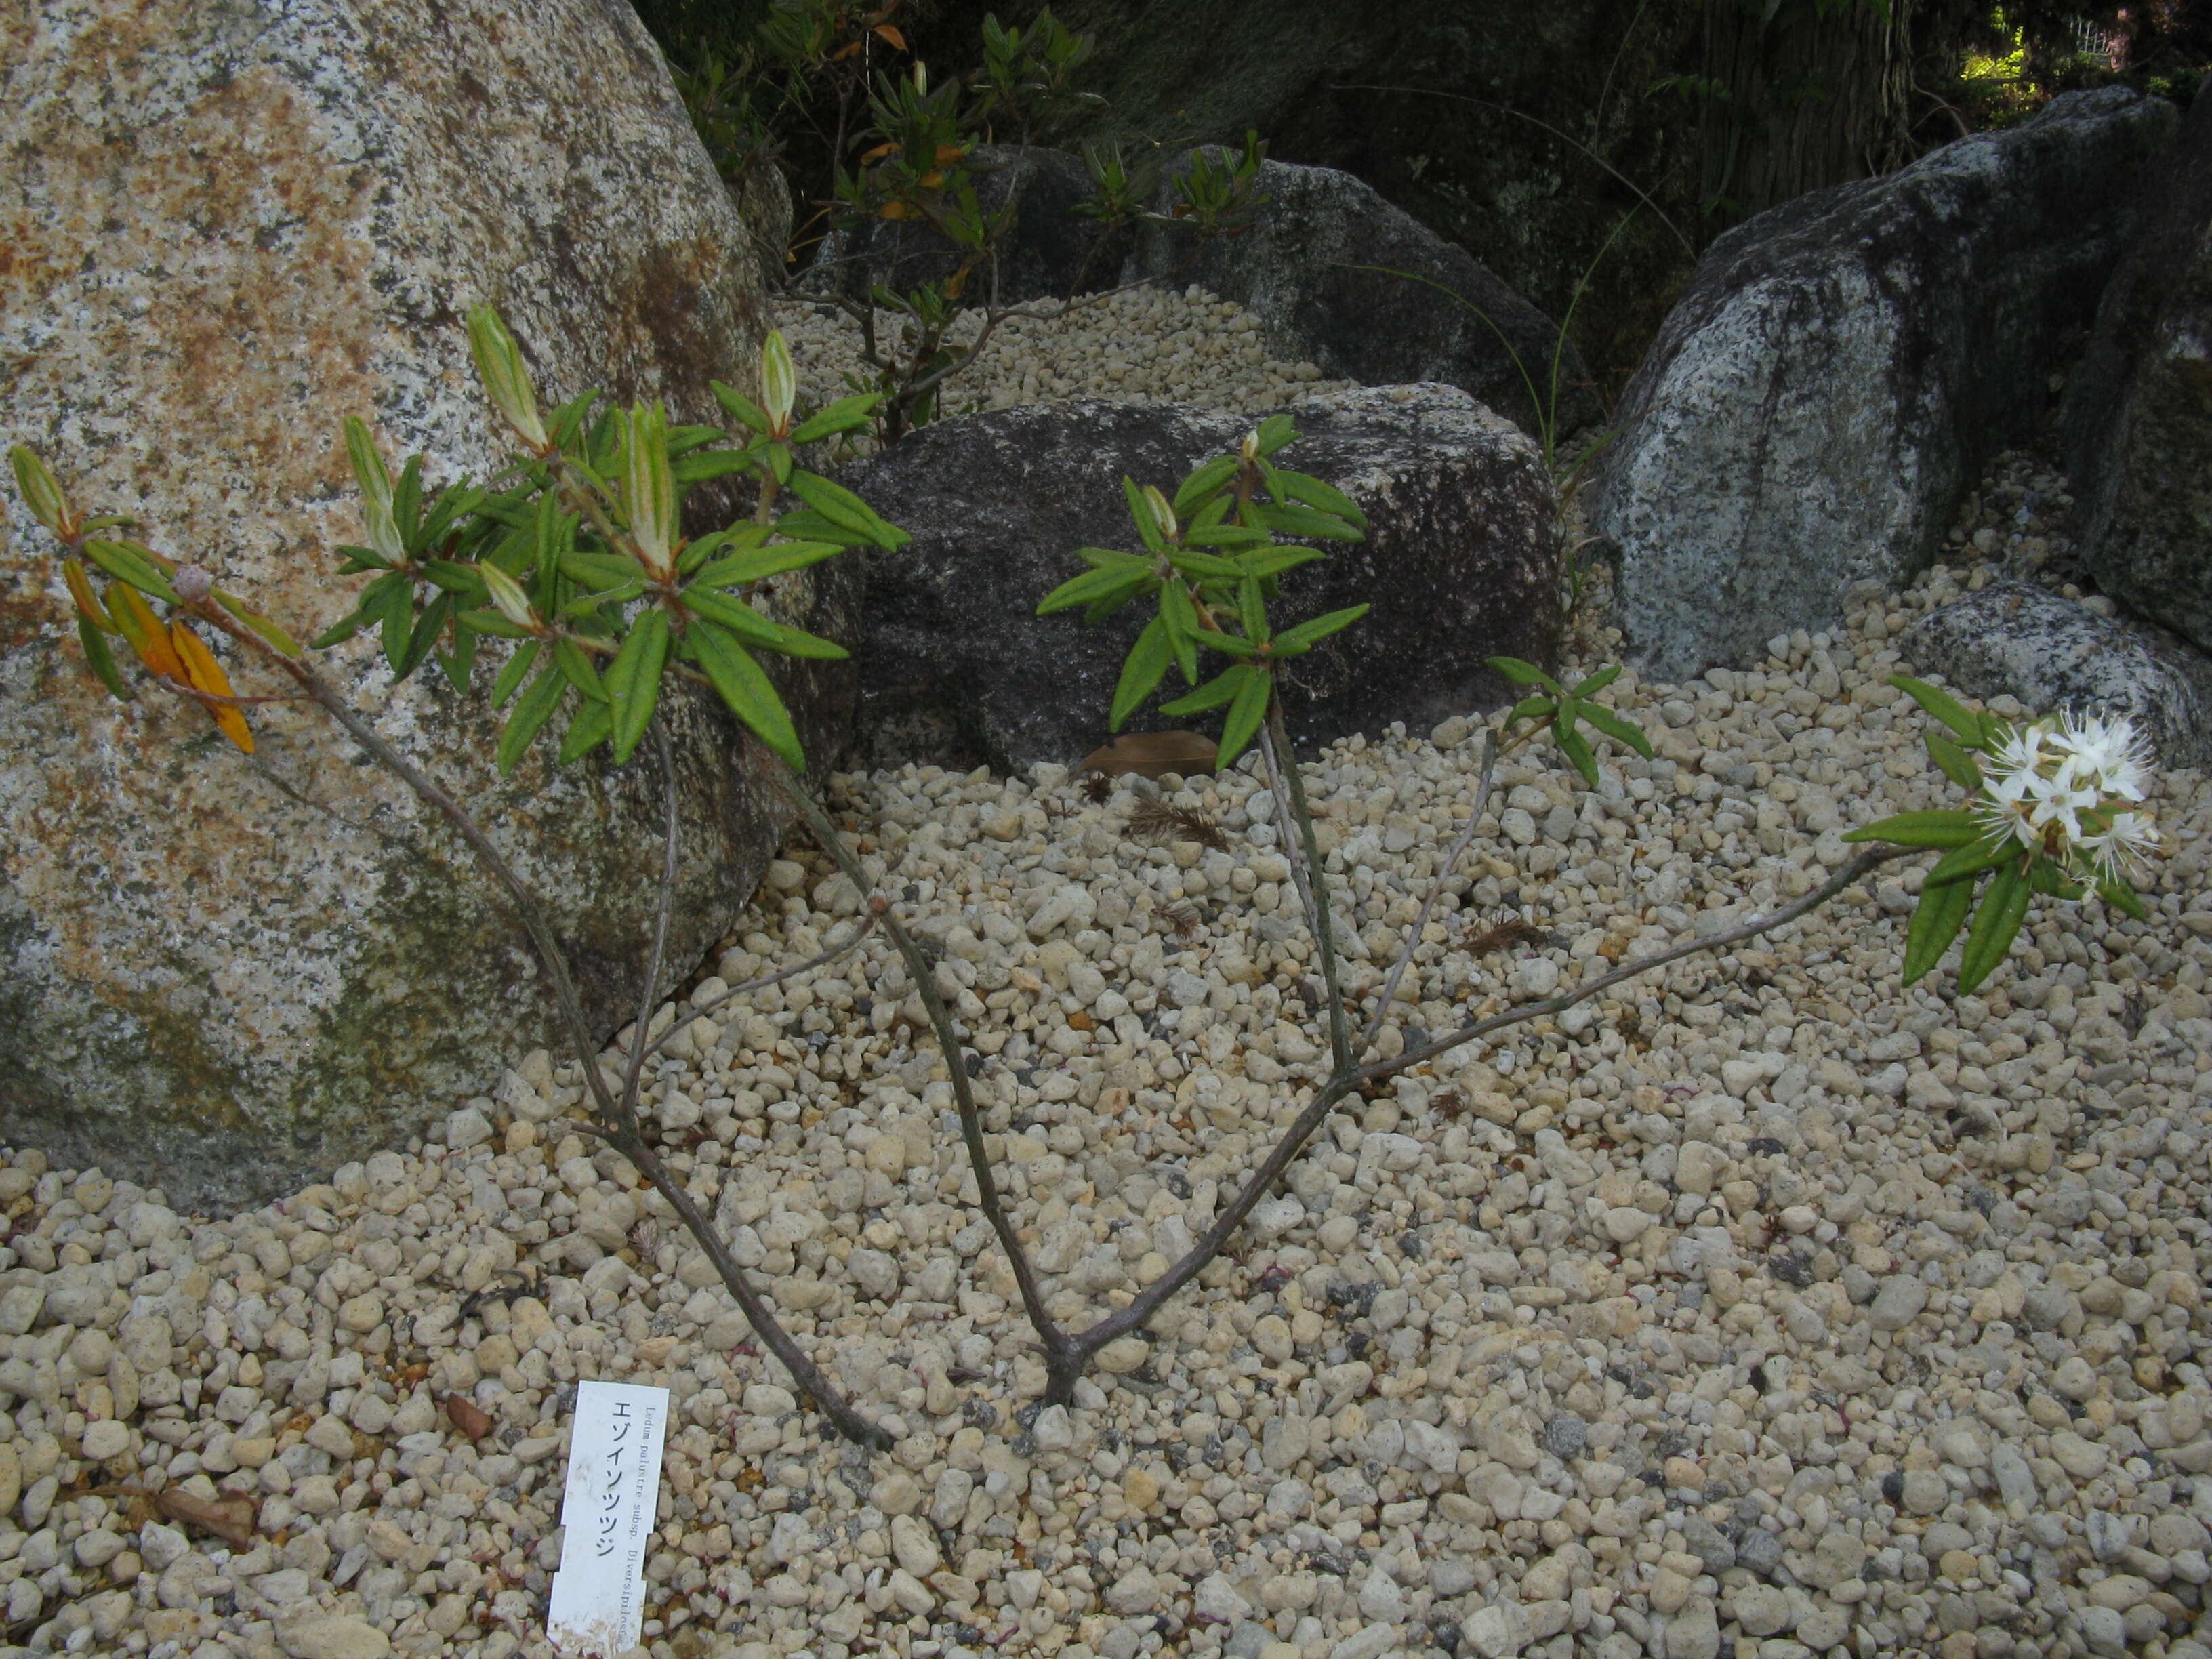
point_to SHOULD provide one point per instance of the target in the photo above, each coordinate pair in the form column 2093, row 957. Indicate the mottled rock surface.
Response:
column 1840, row 366
column 957, row 667
column 1293, row 269
column 2017, row 640
column 227, row 228
column 2138, row 419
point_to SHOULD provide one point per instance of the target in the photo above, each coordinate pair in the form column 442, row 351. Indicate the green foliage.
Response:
column 576, row 551
column 1026, row 82
column 1566, row 710
column 1212, row 563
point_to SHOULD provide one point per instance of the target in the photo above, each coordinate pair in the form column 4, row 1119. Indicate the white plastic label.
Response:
column 607, row 1511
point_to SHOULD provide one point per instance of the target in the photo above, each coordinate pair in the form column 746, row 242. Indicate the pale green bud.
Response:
column 779, row 382
column 375, row 491
column 40, row 493
column 506, row 595
column 506, row 380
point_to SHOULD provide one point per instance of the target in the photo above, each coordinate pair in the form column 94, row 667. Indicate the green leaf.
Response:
column 1252, row 608
column 1147, row 664
column 1277, row 560
column 1620, row 729
column 1936, row 923
column 487, row 621
column 127, row 562
column 1092, row 586
column 593, row 721
column 396, row 607
column 763, row 562
column 1958, row 765
column 1538, row 707
column 707, row 465
column 1943, row 705
column 756, row 630
column 2045, row 876
column 100, row 656
column 748, row 692
column 1148, row 526
column 1271, row 434
column 259, row 623
column 576, row 666
column 1221, row 689
column 1597, row 682
column 1573, row 745
column 1203, row 483
column 1953, row 828
column 531, row 713
column 634, row 679
column 600, row 572
column 739, row 408
column 843, row 415
column 841, row 507
column 459, row 663
column 1525, row 673
column 428, row 629
column 518, row 666
column 1308, row 522
column 341, row 631
column 1962, row 863
column 1997, row 924
column 1241, row 723
column 1204, row 566
column 1303, row 487
column 1182, row 618
column 1307, row 635
column 2118, row 893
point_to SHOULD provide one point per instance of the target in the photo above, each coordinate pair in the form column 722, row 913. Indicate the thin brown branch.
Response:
column 1060, row 1350
column 1435, row 887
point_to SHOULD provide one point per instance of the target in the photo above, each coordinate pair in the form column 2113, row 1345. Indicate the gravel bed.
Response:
column 1766, row 1310
column 1148, row 344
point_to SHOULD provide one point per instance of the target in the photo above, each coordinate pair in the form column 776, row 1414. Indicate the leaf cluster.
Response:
column 1982, row 877
column 1566, row 711
column 1211, row 563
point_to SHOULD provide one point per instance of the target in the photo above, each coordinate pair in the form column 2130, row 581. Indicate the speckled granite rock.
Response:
column 1838, row 368
column 2017, row 639
column 2138, row 419
column 958, row 668
column 226, row 228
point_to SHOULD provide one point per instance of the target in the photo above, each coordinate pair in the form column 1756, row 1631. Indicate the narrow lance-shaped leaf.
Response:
column 1997, row 924
column 1307, row 635
column 1141, row 673
column 535, row 707
column 101, row 658
column 633, row 680
column 375, row 481
column 1242, row 724
column 1943, row 705
column 518, row 666
column 1936, row 921
column 748, row 692
column 205, row 673
column 1953, row 828
column 593, row 721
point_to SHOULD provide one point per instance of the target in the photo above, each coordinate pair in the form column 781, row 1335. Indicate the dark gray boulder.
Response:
column 2138, row 419
column 957, row 667
column 1051, row 252
column 2017, row 640
column 1839, row 368
column 1293, row 269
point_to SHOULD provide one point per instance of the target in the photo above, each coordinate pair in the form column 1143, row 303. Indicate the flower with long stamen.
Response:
column 2061, row 787
column 2122, row 850
column 2108, row 756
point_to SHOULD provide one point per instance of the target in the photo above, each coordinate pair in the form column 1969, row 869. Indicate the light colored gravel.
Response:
column 1148, row 344
column 1767, row 1305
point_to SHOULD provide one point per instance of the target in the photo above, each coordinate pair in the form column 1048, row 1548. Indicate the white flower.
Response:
column 2108, row 756
column 2123, row 847
column 2008, row 807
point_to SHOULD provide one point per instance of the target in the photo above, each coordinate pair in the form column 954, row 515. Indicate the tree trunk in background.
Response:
column 1811, row 100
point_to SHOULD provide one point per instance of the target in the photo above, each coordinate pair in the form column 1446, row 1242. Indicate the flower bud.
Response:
column 921, row 77
column 779, row 382
column 192, row 583
column 506, row 595
column 40, row 493
column 1163, row 514
column 506, row 380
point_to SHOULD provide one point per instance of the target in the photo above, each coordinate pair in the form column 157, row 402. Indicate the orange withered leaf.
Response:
column 201, row 669
column 890, row 33
column 948, row 154
column 135, row 619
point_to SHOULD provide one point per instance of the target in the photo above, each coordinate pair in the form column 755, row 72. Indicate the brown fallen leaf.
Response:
column 468, row 1417
column 229, row 1518
column 1149, row 754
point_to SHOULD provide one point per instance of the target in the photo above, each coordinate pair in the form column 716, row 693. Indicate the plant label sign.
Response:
column 607, row 1511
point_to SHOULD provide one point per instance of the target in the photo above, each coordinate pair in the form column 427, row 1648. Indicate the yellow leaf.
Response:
column 898, row 211
column 138, row 625
column 947, row 154
column 879, row 152
column 890, row 33
column 205, row 672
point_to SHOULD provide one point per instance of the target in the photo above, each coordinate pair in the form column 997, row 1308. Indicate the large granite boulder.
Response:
column 2138, row 419
column 1840, row 367
column 2050, row 653
column 1460, row 563
column 227, row 228
column 1049, row 251
column 1296, row 268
